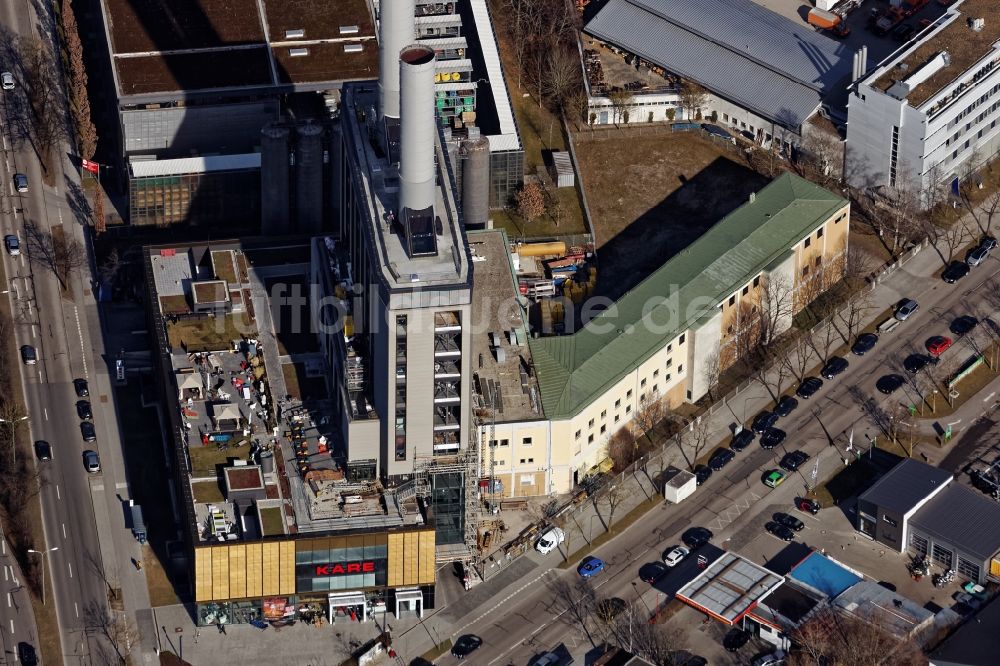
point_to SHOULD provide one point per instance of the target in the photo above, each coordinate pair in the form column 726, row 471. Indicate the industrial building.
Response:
column 928, row 115
column 766, row 75
column 655, row 343
column 919, row 509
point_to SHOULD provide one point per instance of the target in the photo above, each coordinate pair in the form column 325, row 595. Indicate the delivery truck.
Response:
column 828, row 21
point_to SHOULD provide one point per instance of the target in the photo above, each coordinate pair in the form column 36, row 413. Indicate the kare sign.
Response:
column 339, row 569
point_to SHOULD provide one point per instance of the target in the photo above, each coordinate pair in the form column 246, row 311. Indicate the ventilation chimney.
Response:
column 397, row 30
column 417, row 128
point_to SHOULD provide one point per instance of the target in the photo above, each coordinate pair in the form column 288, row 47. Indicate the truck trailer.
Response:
column 829, row 21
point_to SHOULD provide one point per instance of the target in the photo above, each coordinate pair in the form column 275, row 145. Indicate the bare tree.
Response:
column 613, row 498
column 116, row 627
column 44, row 96
column 563, row 77
column 54, row 251
column 837, row 638
column 798, row 355
column 693, row 99
column 576, row 599
column 821, row 157
column 623, row 449
column 896, row 215
column 621, row 100
column 652, row 410
column 711, row 369
column 696, row 435
column 852, row 315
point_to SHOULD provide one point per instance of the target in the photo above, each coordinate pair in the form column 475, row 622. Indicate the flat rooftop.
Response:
column 870, row 602
column 964, row 46
column 729, row 587
column 160, row 47
column 448, row 268
column 506, row 375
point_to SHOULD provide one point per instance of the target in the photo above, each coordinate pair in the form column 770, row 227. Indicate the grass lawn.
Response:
column 206, row 492
column 209, row 333
column 223, row 261
column 545, row 226
column 273, row 521
column 206, row 459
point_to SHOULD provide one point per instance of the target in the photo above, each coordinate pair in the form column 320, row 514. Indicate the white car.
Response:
column 548, row 541
column 8, row 80
column 674, row 557
column 776, row 658
column 12, row 244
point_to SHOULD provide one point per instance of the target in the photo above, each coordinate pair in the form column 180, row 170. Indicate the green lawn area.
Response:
column 223, row 261
column 545, row 226
column 206, row 459
column 273, row 522
column 206, row 492
column 209, row 333
column 540, row 130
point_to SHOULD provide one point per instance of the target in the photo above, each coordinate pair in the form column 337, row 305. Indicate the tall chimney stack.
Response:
column 397, row 30
column 417, row 128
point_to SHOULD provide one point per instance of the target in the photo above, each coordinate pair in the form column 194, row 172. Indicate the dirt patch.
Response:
column 207, row 492
column 161, row 590
column 242, row 479
column 650, row 196
column 327, row 62
column 209, row 333
column 316, row 18
column 158, row 25
column 193, row 71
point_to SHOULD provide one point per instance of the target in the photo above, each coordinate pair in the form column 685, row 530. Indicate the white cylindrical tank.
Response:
column 417, row 128
column 476, row 182
column 397, row 30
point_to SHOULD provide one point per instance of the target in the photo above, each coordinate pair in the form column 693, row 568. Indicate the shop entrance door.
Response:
column 409, row 600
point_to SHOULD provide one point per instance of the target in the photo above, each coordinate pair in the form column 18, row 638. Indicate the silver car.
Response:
column 91, row 462
column 977, row 256
column 908, row 307
column 8, row 80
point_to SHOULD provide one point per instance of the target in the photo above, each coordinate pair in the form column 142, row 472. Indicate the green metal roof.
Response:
column 573, row 370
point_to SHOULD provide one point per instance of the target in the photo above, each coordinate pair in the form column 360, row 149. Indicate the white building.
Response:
column 923, row 115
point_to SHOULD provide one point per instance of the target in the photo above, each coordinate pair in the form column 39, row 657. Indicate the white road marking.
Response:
column 5, row 573
column 29, row 307
column 45, row 411
column 12, row 626
column 989, row 397
column 60, row 216
column 64, row 530
column 10, row 602
column 70, row 565
column 34, row 333
column 58, row 496
column 76, row 609
column 79, row 330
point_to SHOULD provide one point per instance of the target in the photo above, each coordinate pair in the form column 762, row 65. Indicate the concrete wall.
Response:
column 703, row 352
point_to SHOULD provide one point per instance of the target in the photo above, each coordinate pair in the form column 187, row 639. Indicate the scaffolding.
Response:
column 467, row 464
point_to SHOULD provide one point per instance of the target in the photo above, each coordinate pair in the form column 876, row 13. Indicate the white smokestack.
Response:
column 397, row 29
column 417, row 127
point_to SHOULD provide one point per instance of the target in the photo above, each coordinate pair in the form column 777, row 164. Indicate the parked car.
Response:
column 84, row 411
column 8, row 80
column 720, row 459
column 916, row 362
column 763, row 421
column 591, row 566
column 87, row 431
column 91, row 462
column 786, row 406
column 13, row 245
column 696, row 537
column 789, row 521
column 772, row 438
column 889, row 383
column 466, row 645
column 792, row 460
column 550, row 541
column 28, row 355
column 963, row 325
column 81, row 387
column 20, row 182
column 701, row 474
column 26, row 654
column 777, row 657
column 864, row 344
column 652, row 572
column 833, row 367
column 988, row 242
column 735, row 639
column 976, row 256
column 773, row 478
column 780, row 531
column 956, row 271
column 905, row 309
column 939, row 344
column 807, row 504
column 43, row 450
column 742, row 439
column 809, row 387
column 675, row 555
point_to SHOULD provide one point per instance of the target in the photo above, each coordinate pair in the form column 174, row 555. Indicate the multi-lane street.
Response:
column 535, row 619
column 88, row 548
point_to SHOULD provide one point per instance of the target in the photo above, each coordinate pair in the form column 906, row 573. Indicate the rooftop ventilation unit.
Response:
column 298, row 53
column 297, row 33
column 933, row 66
column 348, row 29
column 977, row 24
column 353, row 48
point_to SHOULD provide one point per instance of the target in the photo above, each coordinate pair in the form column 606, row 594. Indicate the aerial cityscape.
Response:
column 509, row 332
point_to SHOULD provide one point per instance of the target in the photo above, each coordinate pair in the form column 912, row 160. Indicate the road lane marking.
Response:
column 12, row 625
column 45, row 411
column 64, row 530
column 10, row 602
column 76, row 609
column 34, row 333
column 58, row 496
column 79, row 331
column 70, row 565
column 5, row 573
column 989, row 397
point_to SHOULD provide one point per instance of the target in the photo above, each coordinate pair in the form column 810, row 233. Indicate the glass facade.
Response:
column 341, row 563
column 448, row 500
column 218, row 197
column 506, row 176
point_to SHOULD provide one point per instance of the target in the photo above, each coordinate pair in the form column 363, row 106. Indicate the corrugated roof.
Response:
column 507, row 139
column 963, row 517
column 730, row 586
column 906, row 485
column 574, row 369
column 182, row 165
column 735, row 48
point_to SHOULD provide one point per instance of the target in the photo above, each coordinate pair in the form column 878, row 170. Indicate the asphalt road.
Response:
column 89, row 549
column 535, row 619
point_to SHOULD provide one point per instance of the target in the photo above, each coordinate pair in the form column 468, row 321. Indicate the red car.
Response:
column 938, row 344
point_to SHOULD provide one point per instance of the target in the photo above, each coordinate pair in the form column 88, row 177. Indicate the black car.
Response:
column 763, row 421
column 735, row 639
column 696, row 537
column 772, row 438
column 742, row 440
column 81, row 388
column 834, row 367
column 610, row 608
column 88, row 431
column 963, row 325
column 466, row 645
column 914, row 363
column 43, row 450
column 889, row 383
column 780, row 531
column 652, row 572
column 720, row 459
column 988, row 242
column 808, row 387
column 786, row 406
column 84, row 411
column 865, row 343
column 701, row 474
column 26, row 654
column 792, row 460
column 956, row 271
column 789, row 521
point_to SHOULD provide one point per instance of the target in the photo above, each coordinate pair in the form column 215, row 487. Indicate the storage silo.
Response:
column 309, row 179
column 476, row 182
column 274, row 180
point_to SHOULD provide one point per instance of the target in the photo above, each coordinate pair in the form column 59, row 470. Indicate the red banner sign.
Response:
column 92, row 167
column 348, row 568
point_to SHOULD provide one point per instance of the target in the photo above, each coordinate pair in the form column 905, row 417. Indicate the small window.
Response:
column 353, row 48
column 604, row 414
column 590, row 438
column 526, row 441
column 808, row 242
column 617, row 418
column 730, row 330
column 681, row 341
column 669, row 363
column 732, row 300
column 670, row 347
column 590, row 423
column 618, row 403
column 297, row 33
column 628, row 394
column 680, row 369
column 656, row 373
column 604, row 429
column 756, row 281
column 523, row 460
column 504, row 442
column 656, row 389
column 819, row 232
column 348, row 29
column 805, row 271
column 642, row 384
column 531, row 460
column 746, row 290
column 819, row 260
column 298, row 53
column 628, row 409
column 577, row 435
column 668, row 376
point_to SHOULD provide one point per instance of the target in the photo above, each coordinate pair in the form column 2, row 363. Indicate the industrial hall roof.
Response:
column 905, row 486
column 737, row 49
column 573, row 370
column 964, row 518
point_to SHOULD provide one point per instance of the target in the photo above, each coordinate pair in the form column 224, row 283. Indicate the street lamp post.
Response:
column 13, row 425
column 43, row 553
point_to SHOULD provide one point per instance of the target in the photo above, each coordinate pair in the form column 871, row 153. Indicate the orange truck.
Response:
column 828, row 21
